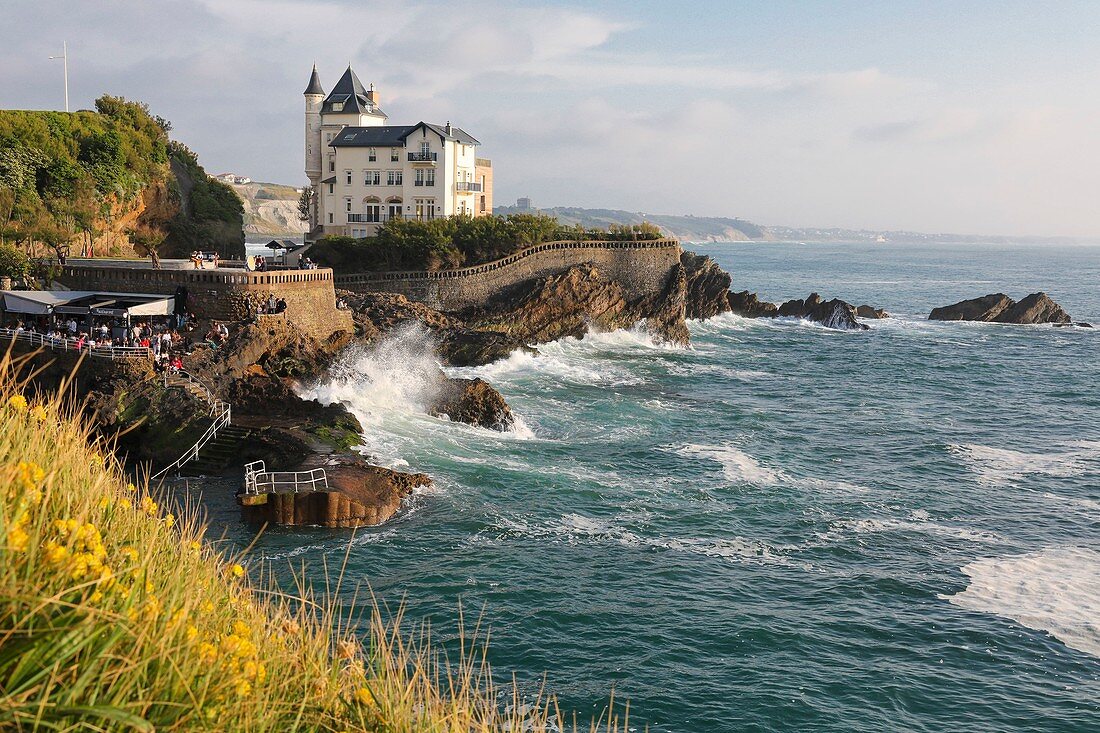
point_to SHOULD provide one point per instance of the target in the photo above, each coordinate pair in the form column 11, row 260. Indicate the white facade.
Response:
column 365, row 171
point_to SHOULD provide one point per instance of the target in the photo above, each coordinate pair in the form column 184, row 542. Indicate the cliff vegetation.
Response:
column 118, row 613
column 107, row 182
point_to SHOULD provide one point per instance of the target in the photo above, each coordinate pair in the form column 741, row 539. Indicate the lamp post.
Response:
column 65, row 60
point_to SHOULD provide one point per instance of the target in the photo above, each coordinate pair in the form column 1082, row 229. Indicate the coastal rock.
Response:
column 986, row 308
column 664, row 315
column 567, row 304
column 999, row 308
column 833, row 313
column 475, row 402
column 748, row 305
column 359, row 495
column 869, row 311
column 706, row 286
column 469, row 347
column 1035, row 308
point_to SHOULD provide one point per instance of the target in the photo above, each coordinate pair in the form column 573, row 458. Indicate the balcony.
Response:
column 363, row 219
column 429, row 182
column 468, row 187
column 423, row 157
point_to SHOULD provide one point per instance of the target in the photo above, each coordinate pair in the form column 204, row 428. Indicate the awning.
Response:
column 82, row 303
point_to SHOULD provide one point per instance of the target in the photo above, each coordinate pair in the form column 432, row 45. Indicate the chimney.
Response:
column 372, row 96
column 447, row 129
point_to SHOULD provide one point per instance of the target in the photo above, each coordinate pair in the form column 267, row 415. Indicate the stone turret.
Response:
column 315, row 97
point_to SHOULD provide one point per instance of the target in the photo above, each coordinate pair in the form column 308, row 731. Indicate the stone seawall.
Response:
column 640, row 268
column 225, row 293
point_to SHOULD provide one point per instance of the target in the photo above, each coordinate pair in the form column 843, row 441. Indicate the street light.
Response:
column 65, row 60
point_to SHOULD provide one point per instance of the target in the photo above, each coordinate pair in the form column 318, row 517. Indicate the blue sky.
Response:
column 969, row 117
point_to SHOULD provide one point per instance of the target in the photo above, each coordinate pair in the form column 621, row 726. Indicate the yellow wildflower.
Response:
column 364, row 697
column 236, row 570
column 240, row 628
column 17, row 538
column 192, row 632
column 208, row 653
column 131, row 488
column 207, row 607
column 148, row 505
column 195, row 546
column 129, row 553
column 18, row 403
column 125, row 503
column 169, row 520
column 56, row 553
column 38, row 412
column 244, row 688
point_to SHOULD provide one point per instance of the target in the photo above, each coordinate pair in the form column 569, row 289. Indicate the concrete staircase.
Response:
column 217, row 455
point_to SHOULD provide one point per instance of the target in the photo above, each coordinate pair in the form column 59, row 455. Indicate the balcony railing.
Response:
column 468, row 187
column 429, row 182
column 423, row 157
column 363, row 219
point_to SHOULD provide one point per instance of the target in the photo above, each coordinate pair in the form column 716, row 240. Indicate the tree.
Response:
column 13, row 263
column 305, row 204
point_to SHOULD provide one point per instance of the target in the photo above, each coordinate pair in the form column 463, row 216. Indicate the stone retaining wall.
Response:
column 640, row 268
column 225, row 294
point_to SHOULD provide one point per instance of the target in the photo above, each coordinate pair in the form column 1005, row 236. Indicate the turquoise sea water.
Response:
column 782, row 527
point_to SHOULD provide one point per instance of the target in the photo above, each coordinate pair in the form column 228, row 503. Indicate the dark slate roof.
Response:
column 353, row 94
column 330, row 179
column 386, row 136
column 314, row 83
column 389, row 136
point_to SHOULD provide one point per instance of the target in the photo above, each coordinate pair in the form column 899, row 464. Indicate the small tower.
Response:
column 315, row 96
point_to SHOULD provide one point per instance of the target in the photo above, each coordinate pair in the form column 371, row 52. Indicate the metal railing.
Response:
column 468, row 187
column 221, row 414
column 258, row 480
column 423, row 157
column 62, row 343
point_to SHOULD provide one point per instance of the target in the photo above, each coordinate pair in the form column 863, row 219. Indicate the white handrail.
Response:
column 63, row 343
column 258, row 480
column 221, row 412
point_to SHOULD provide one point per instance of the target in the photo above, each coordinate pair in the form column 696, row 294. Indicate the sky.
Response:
column 962, row 117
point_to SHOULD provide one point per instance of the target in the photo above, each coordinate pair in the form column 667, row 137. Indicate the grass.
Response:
column 117, row 615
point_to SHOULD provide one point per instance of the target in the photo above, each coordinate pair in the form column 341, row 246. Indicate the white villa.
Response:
column 365, row 171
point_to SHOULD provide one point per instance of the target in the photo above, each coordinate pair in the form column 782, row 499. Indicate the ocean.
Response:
column 780, row 528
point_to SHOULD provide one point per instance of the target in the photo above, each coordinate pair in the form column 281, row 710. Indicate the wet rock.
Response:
column 869, row 311
column 833, row 313
column 469, row 347
column 475, row 402
column 706, row 286
column 748, row 305
column 999, row 308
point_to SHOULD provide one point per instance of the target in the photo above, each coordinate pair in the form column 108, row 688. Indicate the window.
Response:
column 347, row 177
column 395, row 155
column 373, row 213
column 393, row 178
column 419, row 177
column 331, row 165
column 372, row 178
column 483, row 202
column 330, row 217
column 395, row 210
column 425, row 209
column 330, row 187
column 372, row 155
column 349, row 136
column 425, row 148
column 429, row 177
column 347, row 205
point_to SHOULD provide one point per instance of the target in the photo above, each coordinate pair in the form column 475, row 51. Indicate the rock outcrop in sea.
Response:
column 833, row 313
column 999, row 308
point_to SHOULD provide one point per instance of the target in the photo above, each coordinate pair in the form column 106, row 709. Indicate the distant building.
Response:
column 233, row 179
column 366, row 171
column 524, row 204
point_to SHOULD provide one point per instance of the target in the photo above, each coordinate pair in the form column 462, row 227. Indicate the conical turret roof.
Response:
column 351, row 96
column 314, row 83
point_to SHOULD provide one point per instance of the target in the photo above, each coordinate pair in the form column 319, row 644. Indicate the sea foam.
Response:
column 1056, row 590
column 1000, row 466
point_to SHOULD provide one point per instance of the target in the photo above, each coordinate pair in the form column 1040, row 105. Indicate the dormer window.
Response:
column 372, row 155
column 337, row 106
column 350, row 136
